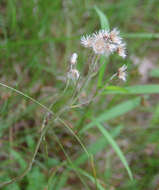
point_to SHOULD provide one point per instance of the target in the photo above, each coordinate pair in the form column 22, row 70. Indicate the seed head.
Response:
column 122, row 73
column 121, row 50
column 115, row 36
column 86, row 41
column 73, row 58
column 105, row 42
column 73, row 74
column 99, row 45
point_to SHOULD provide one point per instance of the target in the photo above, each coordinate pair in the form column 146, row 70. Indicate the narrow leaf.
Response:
column 97, row 146
column 137, row 89
column 116, row 111
column 116, row 148
column 103, row 19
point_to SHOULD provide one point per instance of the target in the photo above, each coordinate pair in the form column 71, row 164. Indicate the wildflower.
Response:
column 110, row 48
column 99, row 45
column 121, row 50
column 73, row 74
column 86, row 41
column 122, row 73
column 115, row 37
column 73, row 59
column 105, row 42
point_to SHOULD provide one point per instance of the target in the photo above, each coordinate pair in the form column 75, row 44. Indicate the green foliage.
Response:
column 37, row 39
column 116, row 111
column 138, row 89
column 115, row 147
column 35, row 179
column 103, row 19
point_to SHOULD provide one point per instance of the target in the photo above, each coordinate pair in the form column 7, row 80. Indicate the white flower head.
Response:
column 73, row 59
column 115, row 36
column 73, row 74
column 101, row 34
column 105, row 42
column 121, row 49
column 122, row 73
column 99, row 44
column 86, row 41
column 110, row 48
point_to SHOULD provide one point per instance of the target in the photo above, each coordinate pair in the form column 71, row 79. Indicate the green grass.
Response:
column 36, row 41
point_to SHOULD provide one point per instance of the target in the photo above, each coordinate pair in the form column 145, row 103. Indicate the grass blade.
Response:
column 118, row 110
column 91, row 178
column 97, row 146
column 103, row 19
column 116, row 148
column 137, row 89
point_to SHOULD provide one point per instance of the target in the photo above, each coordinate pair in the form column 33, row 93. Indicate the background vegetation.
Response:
column 37, row 38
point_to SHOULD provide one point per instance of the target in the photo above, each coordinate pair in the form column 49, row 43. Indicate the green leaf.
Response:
column 95, row 181
column 116, row 111
column 97, row 146
column 116, row 148
column 138, row 89
column 103, row 19
column 115, row 89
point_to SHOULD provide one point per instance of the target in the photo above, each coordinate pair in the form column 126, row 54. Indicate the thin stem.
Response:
column 26, row 96
column 30, row 163
column 89, row 76
column 43, row 132
column 46, row 117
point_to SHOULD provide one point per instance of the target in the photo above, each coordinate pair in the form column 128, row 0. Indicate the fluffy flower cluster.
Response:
column 105, row 42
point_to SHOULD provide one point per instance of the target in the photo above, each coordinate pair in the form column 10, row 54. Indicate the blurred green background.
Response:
column 37, row 38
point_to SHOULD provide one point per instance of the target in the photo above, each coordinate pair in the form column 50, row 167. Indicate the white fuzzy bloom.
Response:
column 111, row 48
column 101, row 34
column 105, row 42
column 74, row 57
column 122, row 73
column 86, row 41
column 73, row 74
column 115, row 36
column 99, row 45
column 122, row 50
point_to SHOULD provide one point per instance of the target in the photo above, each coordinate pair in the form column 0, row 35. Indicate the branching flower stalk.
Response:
column 103, row 42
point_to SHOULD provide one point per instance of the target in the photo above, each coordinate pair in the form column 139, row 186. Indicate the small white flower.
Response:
column 86, row 41
column 121, row 49
column 99, row 45
column 105, row 42
column 101, row 34
column 110, row 48
column 74, row 58
column 73, row 74
column 115, row 36
column 122, row 73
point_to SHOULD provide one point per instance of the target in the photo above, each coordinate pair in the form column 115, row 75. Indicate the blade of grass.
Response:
column 137, row 89
column 84, row 173
column 116, row 148
column 116, row 111
column 103, row 19
column 70, row 162
column 97, row 146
